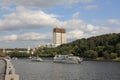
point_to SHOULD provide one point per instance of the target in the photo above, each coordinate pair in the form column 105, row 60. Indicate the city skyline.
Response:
column 26, row 23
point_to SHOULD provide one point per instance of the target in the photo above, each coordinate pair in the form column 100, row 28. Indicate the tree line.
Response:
column 106, row 46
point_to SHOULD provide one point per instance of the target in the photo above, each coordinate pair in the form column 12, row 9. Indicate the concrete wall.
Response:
column 10, row 71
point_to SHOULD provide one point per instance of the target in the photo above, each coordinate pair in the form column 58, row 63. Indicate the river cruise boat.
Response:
column 67, row 59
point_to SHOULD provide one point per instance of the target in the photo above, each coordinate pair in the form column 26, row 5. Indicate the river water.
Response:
column 87, row 70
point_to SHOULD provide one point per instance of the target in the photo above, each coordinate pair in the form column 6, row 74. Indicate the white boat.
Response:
column 67, row 59
column 15, row 58
column 37, row 59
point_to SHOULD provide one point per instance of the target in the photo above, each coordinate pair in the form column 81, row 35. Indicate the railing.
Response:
column 10, row 71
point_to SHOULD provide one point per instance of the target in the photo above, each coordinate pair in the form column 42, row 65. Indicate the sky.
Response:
column 29, row 23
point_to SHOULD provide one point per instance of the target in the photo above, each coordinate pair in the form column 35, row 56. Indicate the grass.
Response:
column 102, row 59
column 117, row 59
column 99, row 58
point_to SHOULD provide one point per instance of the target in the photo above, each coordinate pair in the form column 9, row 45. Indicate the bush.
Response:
column 118, row 53
column 106, row 55
column 113, row 55
column 91, row 54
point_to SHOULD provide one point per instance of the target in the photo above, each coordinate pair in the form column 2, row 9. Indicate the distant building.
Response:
column 59, row 36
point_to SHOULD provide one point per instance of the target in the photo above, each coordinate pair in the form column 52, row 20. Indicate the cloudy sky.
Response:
column 26, row 23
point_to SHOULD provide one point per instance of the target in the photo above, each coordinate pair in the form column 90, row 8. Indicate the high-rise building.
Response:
column 59, row 36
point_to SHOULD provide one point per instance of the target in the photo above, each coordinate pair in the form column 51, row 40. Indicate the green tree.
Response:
column 91, row 54
column 100, row 50
column 110, row 48
column 106, row 55
column 118, row 49
column 94, row 55
column 1, row 52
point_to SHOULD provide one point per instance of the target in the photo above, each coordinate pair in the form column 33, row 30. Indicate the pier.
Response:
column 7, row 71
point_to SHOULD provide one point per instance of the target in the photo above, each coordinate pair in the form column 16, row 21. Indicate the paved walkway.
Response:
column 2, row 69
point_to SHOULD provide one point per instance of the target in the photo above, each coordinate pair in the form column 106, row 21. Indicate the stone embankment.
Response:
column 7, row 71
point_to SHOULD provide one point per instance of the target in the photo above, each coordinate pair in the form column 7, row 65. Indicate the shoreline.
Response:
column 102, row 60
column 98, row 59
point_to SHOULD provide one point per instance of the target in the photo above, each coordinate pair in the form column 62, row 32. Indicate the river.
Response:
column 87, row 70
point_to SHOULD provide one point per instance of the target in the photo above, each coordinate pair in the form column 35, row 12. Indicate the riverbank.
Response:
column 105, row 60
column 85, row 59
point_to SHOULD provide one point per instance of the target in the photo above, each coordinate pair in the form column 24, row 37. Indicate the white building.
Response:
column 59, row 36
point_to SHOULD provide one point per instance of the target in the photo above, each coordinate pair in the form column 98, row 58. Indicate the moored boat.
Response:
column 37, row 59
column 15, row 58
column 67, row 59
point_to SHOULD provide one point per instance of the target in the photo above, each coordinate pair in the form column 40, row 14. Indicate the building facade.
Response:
column 59, row 36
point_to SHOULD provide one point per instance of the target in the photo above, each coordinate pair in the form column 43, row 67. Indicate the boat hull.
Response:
column 66, row 61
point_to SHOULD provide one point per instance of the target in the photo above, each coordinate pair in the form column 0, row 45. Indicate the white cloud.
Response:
column 23, row 18
column 33, row 3
column 26, row 19
column 81, row 25
column 113, row 21
column 75, row 34
column 77, row 1
column 85, row 1
column 9, row 38
column 89, row 7
column 32, row 36
column 4, row 8
column 90, row 27
column 69, row 3
column 74, row 24
column 43, row 3
column 26, row 37
column 76, row 14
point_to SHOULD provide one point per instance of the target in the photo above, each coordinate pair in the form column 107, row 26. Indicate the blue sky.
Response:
column 26, row 23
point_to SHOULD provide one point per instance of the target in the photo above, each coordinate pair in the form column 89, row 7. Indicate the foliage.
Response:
column 17, row 54
column 91, row 54
column 106, row 55
column 1, row 52
column 118, row 49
